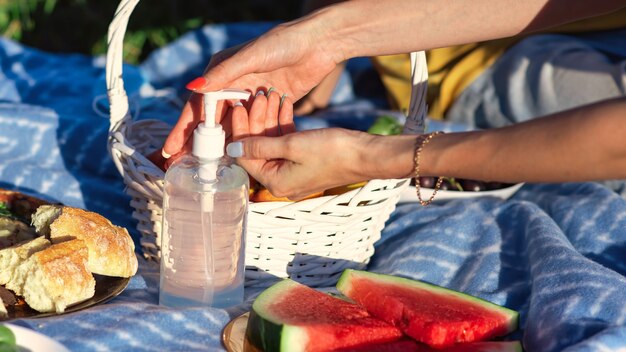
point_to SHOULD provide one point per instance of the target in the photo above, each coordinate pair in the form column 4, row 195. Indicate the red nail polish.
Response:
column 196, row 83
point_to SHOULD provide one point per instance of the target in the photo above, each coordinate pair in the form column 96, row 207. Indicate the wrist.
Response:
column 337, row 28
column 388, row 157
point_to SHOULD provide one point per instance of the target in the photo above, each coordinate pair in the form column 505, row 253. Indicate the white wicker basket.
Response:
column 311, row 241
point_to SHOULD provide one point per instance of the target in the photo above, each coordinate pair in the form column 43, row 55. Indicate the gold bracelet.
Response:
column 419, row 145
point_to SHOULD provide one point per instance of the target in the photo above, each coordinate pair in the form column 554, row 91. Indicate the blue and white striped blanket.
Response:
column 556, row 253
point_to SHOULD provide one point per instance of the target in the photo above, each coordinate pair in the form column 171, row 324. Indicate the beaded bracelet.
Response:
column 419, row 145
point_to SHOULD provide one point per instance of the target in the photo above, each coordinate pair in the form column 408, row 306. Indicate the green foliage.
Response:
column 4, row 210
column 81, row 25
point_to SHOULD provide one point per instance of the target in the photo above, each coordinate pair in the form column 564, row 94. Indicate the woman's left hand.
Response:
column 297, row 164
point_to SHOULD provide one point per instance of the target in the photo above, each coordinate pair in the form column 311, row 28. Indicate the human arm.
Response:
column 371, row 27
column 351, row 29
column 295, row 56
column 583, row 144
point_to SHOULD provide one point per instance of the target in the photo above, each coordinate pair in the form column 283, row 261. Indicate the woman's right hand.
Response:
column 293, row 58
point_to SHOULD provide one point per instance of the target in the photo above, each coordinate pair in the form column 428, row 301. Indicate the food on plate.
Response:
column 264, row 195
column 258, row 193
column 460, row 184
column 389, row 125
column 343, row 189
column 13, row 231
column 430, row 314
column 56, row 277
column 111, row 249
column 47, row 266
column 380, row 313
column 385, row 125
column 292, row 317
column 8, row 342
column 12, row 257
column 18, row 205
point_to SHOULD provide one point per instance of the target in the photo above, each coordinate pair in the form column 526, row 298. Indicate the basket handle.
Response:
column 418, row 108
column 118, row 100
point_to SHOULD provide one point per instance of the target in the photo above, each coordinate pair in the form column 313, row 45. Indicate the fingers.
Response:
column 189, row 118
column 222, row 70
column 264, row 148
column 285, row 117
column 240, row 125
column 271, row 114
column 257, row 115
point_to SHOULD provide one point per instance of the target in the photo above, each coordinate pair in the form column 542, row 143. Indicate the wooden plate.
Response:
column 234, row 336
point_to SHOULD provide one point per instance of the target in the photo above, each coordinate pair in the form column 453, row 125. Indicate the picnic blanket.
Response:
column 554, row 252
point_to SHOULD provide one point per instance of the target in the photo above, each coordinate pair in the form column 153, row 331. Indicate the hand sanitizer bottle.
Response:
column 205, row 207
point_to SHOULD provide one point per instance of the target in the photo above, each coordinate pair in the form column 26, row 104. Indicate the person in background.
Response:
column 498, row 82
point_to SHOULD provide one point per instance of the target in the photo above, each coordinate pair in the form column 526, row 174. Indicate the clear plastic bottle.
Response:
column 186, row 228
column 205, row 207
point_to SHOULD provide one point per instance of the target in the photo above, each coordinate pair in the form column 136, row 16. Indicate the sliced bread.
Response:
column 13, row 231
column 12, row 257
column 111, row 249
column 57, row 277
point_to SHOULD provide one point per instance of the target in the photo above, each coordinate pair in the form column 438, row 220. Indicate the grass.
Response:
column 80, row 25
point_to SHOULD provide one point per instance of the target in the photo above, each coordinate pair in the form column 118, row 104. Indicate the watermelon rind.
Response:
column 344, row 286
column 268, row 332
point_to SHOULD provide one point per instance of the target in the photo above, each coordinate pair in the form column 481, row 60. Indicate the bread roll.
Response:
column 12, row 257
column 57, row 277
column 111, row 249
column 13, row 231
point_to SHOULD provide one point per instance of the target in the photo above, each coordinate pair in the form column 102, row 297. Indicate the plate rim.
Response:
column 408, row 194
column 228, row 331
column 124, row 281
column 32, row 336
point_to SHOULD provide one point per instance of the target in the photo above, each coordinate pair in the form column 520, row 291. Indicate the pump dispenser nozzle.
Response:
column 209, row 138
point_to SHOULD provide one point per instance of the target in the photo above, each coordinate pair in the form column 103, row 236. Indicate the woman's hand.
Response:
column 302, row 163
column 292, row 57
column 296, row 164
column 288, row 163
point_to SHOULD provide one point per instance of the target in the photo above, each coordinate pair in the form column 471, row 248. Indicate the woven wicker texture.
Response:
column 311, row 241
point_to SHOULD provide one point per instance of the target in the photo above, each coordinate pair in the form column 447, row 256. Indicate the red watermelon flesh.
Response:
column 431, row 314
column 486, row 346
column 408, row 345
column 292, row 317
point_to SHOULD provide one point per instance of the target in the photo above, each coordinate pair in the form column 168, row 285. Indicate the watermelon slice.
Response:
column 292, row 317
column 431, row 314
column 408, row 345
